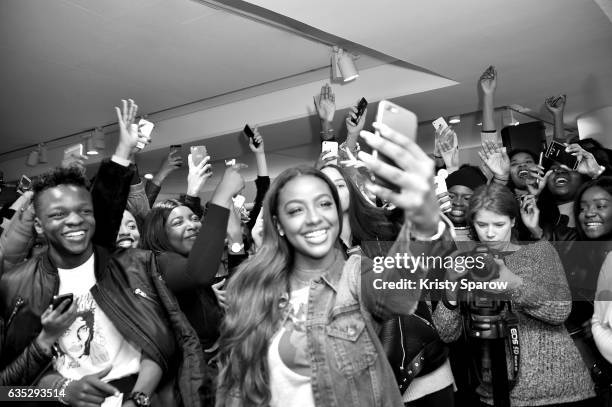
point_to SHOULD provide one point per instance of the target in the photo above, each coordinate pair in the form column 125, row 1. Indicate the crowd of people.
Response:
column 112, row 297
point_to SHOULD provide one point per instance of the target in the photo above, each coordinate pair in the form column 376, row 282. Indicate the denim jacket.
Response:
column 348, row 364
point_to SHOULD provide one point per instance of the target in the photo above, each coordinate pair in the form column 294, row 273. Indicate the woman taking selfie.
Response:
column 406, row 337
column 551, row 371
column 300, row 323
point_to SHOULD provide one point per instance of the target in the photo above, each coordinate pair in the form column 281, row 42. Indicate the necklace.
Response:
column 300, row 281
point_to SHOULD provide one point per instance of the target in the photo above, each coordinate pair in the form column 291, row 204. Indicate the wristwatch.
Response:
column 140, row 399
column 236, row 248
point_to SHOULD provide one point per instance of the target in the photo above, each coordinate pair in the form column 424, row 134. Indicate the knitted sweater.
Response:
column 551, row 368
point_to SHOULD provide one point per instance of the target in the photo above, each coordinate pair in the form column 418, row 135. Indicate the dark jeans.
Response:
column 441, row 398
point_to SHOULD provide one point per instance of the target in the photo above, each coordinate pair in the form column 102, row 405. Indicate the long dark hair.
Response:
column 496, row 198
column 154, row 235
column 254, row 294
column 367, row 221
column 604, row 183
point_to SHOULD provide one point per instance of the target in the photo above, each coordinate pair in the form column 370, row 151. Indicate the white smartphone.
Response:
column 402, row 121
column 331, row 147
column 198, row 153
column 146, row 128
column 239, row 201
column 25, row 184
column 441, row 188
column 439, row 124
column 73, row 151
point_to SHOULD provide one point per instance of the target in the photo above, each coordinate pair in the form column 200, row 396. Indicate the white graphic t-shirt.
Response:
column 288, row 360
column 92, row 342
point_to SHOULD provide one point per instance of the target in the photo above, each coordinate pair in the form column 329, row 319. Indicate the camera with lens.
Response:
column 490, row 269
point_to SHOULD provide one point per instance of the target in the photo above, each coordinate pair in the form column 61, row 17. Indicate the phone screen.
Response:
column 198, row 153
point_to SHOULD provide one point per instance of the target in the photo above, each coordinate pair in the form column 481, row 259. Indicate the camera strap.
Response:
column 514, row 342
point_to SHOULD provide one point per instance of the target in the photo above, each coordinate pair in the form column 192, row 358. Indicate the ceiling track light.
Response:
column 32, row 160
column 454, row 119
column 508, row 118
column 90, row 146
column 42, row 154
column 99, row 141
column 37, row 156
column 343, row 65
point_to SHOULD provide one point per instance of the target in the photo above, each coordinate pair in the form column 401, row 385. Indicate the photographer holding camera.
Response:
column 527, row 308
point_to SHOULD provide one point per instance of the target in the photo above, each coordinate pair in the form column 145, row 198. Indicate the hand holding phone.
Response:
column 331, row 147
column 250, row 134
column 25, row 184
column 400, row 120
column 198, row 153
column 145, row 128
column 556, row 152
column 361, row 107
column 59, row 299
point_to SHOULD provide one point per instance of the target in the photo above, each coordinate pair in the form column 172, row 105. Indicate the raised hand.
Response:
column 198, row 175
column 129, row 136
column 325, row 103
column 530, row 214
column 75, row 160
column 413, row 175
column 496, row 159
column 536, row 181
column 488, row 81
column 231, row 184
column 352, row 128
column 555, row 105
column 587, row 164
column 258, row 139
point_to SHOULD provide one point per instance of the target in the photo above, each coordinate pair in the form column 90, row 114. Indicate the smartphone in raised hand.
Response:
column 146, row 128
column 25, row 184
column 331, row 150
column 198, row 153
column 556, row 152
column 250, row 134
column 361, row 107
column 400, row 120
column 439, row 124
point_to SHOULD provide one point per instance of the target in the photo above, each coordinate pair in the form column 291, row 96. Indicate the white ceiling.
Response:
column 540, row 48
column 67, row 62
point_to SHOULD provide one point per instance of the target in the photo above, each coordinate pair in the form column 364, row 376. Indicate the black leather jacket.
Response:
column 130, row 292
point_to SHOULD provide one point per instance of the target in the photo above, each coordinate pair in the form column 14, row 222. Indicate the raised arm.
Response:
column 112, row 183
column 488, row 84
column 171, row 163
column 414, row 178
column 263, row 180
column 325, row 104
column 556, row 105
column 205, row 256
